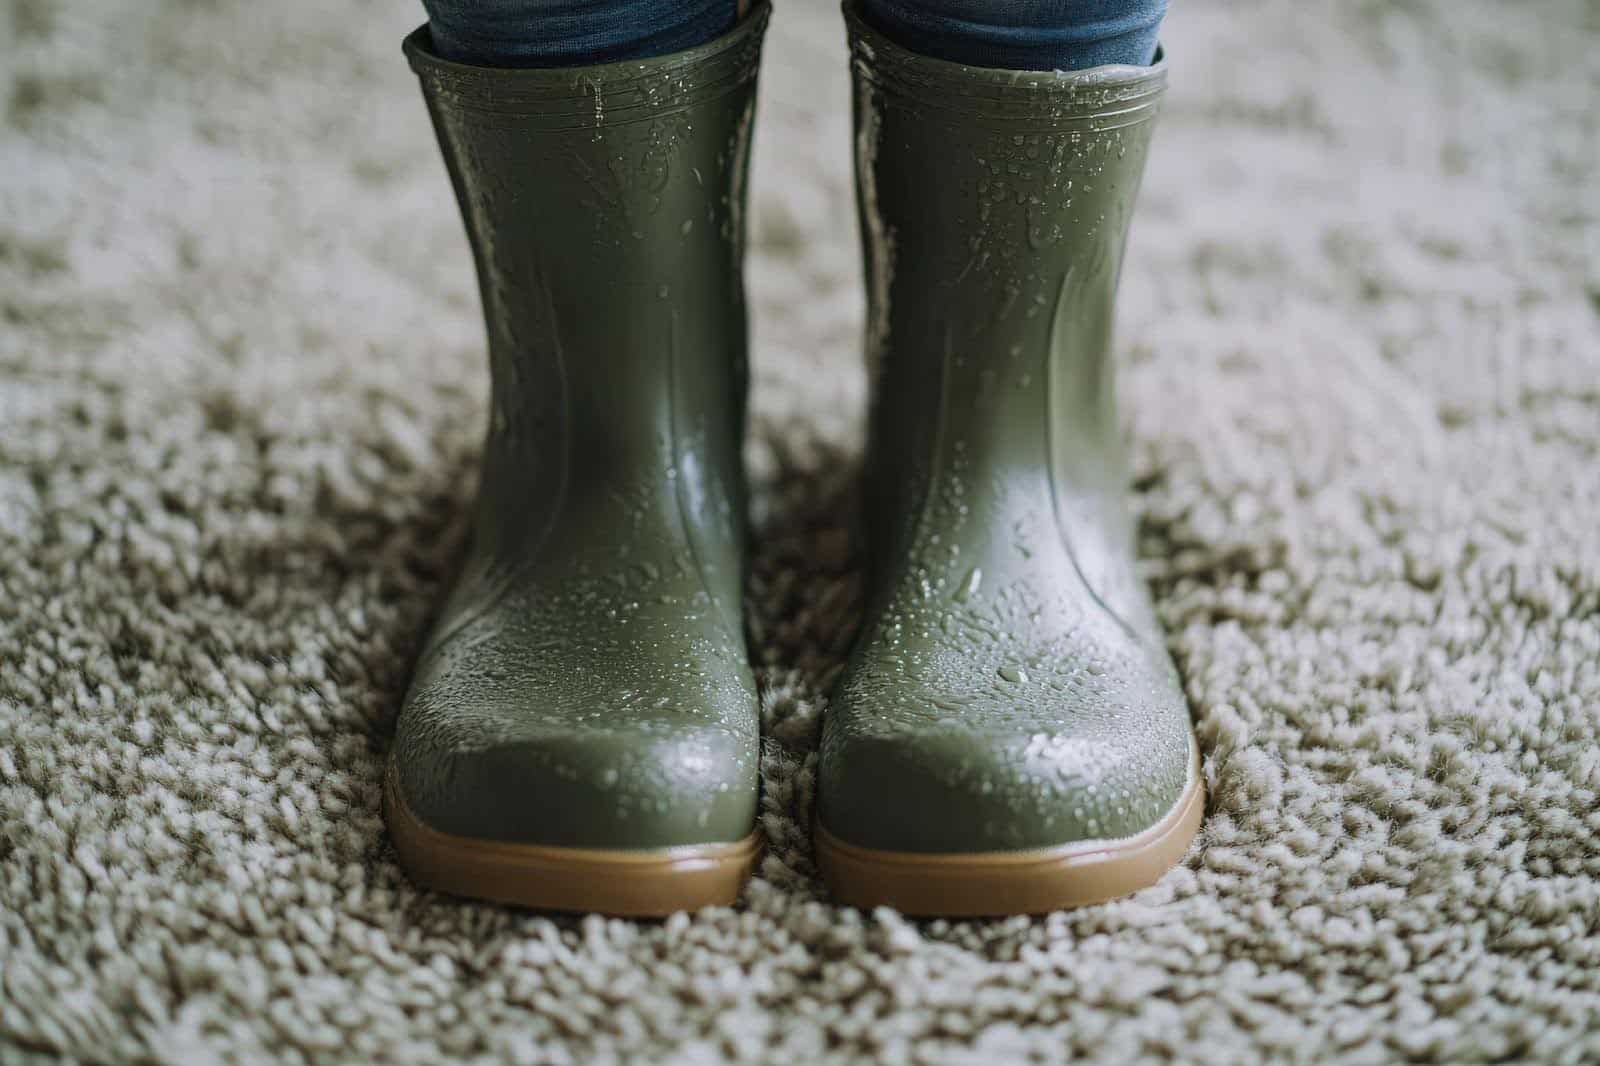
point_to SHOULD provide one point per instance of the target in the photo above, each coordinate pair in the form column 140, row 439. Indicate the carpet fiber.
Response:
column 241, row 394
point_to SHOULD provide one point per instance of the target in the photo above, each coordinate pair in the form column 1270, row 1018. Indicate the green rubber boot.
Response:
column 1009, row 735
column 582, row 729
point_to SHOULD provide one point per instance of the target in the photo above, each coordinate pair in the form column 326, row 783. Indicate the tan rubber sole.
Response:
column 635, row 884
column 1012, row 882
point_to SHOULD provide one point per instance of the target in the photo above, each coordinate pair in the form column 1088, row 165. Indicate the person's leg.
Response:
column 1009, row 733
column 568, row 33
column 582, row 728
column 1022, row 34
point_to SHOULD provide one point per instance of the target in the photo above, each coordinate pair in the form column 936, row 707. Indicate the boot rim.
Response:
column 1109, row 96
column 858, row 26
column 602, row 94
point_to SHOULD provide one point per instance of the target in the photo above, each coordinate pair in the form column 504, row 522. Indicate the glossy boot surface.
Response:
column 581, row 731
column 1010, row 734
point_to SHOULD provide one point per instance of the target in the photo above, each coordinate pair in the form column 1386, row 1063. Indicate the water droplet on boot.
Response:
column 969, row 585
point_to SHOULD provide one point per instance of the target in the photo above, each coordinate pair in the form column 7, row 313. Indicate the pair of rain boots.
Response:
column 1009, row 734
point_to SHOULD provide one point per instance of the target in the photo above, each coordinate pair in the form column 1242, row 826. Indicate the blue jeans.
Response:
column 1012, row 34
column 571, row 33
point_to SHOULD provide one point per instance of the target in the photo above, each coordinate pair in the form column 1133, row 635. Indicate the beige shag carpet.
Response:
column 241, row 391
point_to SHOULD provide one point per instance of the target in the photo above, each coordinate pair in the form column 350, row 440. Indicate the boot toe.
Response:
column 610, row 748
column 622, row 789
column 907, row 775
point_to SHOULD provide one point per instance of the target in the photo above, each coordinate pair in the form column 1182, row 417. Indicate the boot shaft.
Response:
column 994, row 212
column 604, row 207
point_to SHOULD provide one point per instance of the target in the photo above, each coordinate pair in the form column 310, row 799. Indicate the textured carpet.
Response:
column 241, row 391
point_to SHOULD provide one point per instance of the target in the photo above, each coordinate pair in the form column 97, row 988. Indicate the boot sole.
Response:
column 643, row 883
column 986, row 884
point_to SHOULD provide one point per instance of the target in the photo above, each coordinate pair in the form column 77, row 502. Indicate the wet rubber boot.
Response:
column 582, row 730
column 1009, row 735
